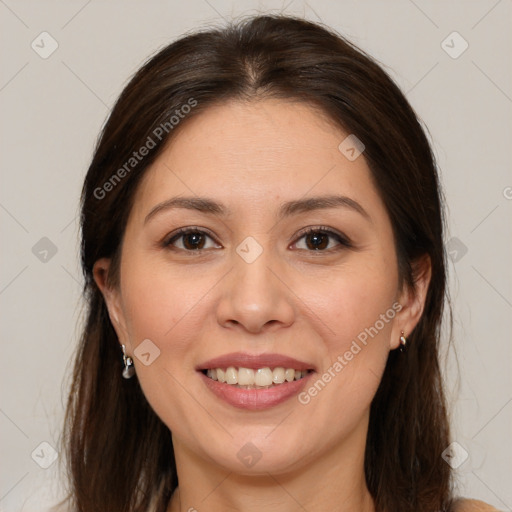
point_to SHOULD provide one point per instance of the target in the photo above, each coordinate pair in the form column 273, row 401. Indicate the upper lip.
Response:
column 245, row 360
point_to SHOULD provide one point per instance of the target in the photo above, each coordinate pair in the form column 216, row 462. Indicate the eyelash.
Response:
column 343, row 241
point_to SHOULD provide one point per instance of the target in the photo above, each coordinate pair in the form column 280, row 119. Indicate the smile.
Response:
column 255, row 381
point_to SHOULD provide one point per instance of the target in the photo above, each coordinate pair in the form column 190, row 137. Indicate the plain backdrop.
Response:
column 54, row 105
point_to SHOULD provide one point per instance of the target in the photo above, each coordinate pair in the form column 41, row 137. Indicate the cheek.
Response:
column 353, row 304
column 162, row 307
column 357, row 311
column 158, row 304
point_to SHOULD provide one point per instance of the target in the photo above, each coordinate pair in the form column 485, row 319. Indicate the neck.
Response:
column 333, row 481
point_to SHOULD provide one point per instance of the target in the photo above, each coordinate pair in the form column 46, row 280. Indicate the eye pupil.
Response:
column 193, row 241
column 319, row 240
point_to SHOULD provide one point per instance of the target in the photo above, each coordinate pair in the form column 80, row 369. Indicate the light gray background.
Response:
column 53, row 109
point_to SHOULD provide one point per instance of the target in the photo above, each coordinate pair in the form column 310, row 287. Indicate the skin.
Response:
column 293, row 300
column 465, row 505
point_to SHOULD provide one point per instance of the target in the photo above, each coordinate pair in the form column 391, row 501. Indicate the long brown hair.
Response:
column 119, row 453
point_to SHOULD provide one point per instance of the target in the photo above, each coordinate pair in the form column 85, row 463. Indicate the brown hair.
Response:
column 120, row 454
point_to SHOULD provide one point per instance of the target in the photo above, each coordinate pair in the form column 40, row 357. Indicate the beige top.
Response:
column 460, row 505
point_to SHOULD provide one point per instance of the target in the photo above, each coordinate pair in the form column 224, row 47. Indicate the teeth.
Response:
column 278, row 375
column 289, row 374
column 231, row 375
column 263, row 377
column 245, row 376
column 260, row 378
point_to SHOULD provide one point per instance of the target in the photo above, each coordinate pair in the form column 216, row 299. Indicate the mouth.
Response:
column 255, row 382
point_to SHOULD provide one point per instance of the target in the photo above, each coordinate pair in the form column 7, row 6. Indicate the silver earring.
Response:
column 403, row 342
column 129, row 369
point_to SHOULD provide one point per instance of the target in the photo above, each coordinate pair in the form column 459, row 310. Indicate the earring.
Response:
column 129, row 369
column 403, row 342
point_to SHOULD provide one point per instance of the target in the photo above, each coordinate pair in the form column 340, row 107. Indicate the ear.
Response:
column 412, row 300
column 112, row 298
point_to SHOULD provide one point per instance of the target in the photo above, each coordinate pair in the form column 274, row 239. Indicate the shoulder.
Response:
column 465, row 505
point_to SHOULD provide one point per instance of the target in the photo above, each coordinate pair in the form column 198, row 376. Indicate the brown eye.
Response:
column 317, row 240
column 190, row 240
column 323, row 240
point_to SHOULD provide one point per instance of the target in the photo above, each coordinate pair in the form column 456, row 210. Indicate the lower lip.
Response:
column 255, row 399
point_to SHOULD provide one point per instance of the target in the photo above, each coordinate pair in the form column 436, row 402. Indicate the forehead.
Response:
column 250, row 153
column 256, row 135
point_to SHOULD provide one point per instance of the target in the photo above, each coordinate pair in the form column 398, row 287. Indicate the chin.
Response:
column 259, row 453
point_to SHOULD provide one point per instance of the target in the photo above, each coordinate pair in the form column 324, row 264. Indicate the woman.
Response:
column 262, row 243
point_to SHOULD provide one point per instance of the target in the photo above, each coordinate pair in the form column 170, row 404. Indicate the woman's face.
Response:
column 249, row 288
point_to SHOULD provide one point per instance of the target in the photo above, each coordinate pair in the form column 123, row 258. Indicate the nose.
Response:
column 255, row 296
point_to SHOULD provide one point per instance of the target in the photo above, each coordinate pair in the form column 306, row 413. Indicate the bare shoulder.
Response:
column 465, row 505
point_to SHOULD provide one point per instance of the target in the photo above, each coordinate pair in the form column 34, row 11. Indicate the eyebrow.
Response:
column 206, row 205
